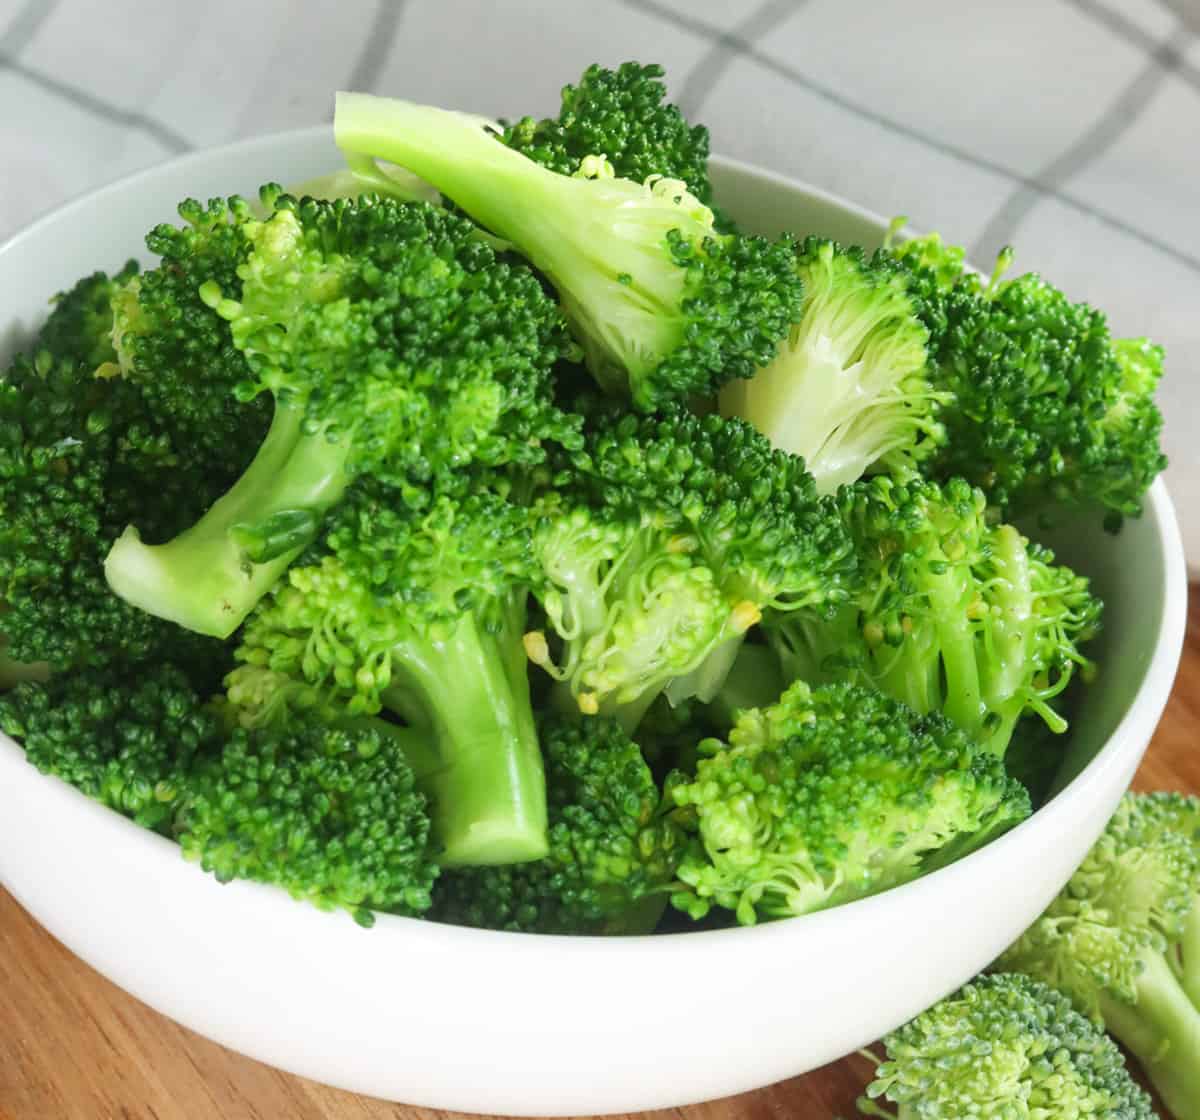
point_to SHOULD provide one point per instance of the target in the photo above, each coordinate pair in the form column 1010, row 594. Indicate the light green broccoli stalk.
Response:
column 663, row 306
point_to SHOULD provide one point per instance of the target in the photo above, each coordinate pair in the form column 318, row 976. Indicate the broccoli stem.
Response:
column 950, row 594
column 1162, row 1030
column 1012, row 631
column 707, row 679
column 754, row 681
column 489, row 796
column 1189, row 946
column 455, row 153
column 211, row 576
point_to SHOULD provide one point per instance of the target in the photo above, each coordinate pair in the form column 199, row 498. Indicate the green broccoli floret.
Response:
column 830, row 795
column 1004, row 1047
column 623, row 116
column 953, row 613
column 394, row 343
column 663, row 544
column 126, row 742
column 1043, row 405
column 80, row 456
column 848, row 390
column 612, row 850
column 331, row 814
column 663, row 306
column 420, row 613
column 1122, row 939
column 79, row 328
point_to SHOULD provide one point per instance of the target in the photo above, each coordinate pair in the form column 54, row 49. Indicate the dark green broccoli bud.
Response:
column 126, row 742
column 395, row 344
column 848, row 390
column 623, row 116
column 331, row 814
column 1122, row 939
column 665, row 542
column 612, row 851
column 662, row 305
column 1005, row 1046
column 1045, row 406
column 79, row 329
column 953, row 613
column 830, row 795
column 420, row 613
column 80, row 456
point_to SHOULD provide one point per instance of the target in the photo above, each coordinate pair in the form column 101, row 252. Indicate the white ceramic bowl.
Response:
column 509, row 1023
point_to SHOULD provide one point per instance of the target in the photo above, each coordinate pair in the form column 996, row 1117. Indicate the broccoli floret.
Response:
column 953, row 614
column 848, row 390
column 663, row 306
column 127, row 743
column 832, row 794
column 394, row 343
column 1122, row 939
column 612, row 850
column 1004, row 1046
column 1043, row 405
column 420, row 613
column 79, row 329
column 664, row 543
column 331, row 814
column 80, row 456
column 623, row 116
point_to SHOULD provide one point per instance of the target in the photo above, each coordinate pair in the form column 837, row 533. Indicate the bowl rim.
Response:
column 1146, row 707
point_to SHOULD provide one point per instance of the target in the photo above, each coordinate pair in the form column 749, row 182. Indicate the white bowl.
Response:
column 509, row 1023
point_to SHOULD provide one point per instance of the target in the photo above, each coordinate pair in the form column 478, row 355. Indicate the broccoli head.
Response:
column 848, row 390
column 663, row 306
column 1122, row 939
column 612, row 850
column 125, row 742
column 331, row 814
column 830, row 795
column 420, row 613
column 1005, row 1047
column 394, row 344
column 952, row 613
column 666, row 540
column 622, row 115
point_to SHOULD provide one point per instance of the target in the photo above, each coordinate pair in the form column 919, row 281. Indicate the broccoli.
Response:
column 1004, row 1047
column 830, row 795
column 127, row 743
column 79, row 456
column 848, row 390
column 420, row 613
column 1042, row 406
column 612, row 851
column 331, row 814
column 1122, row 939
column 953, row 614
column 662, row 305
column 664, row 542
column 621, row 115
column 395, row 344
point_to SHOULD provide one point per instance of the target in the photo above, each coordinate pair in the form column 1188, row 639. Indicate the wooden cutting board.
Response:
column 73, row 1047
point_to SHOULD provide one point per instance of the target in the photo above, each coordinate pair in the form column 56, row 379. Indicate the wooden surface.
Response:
column 73, row 1047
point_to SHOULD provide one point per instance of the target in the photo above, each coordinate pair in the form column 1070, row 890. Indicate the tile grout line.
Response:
column 24, row 26
column 373, row 57
column 165, row 136
column 705, row 74
column 1124, row 28
column 1108, row 128
column 705, row 30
